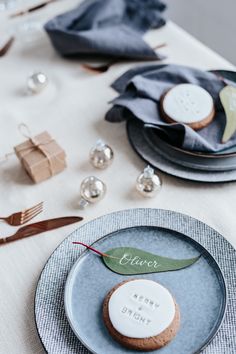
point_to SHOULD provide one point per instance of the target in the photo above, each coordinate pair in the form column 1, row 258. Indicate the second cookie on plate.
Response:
column 188, row 104
column 141, row 314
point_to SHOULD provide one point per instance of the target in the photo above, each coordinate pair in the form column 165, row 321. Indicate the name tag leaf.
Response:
column 131, row 261
column 228, row 100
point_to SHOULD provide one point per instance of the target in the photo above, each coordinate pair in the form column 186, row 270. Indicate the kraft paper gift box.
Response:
column 41, row 157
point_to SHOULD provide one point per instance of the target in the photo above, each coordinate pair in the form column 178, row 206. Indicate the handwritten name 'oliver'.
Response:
column 137, row 261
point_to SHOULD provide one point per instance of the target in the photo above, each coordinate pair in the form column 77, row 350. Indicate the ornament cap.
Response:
column 83, row 203
column 148, row 172
column 100, row 145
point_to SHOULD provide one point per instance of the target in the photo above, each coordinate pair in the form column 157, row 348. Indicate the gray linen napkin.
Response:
column 140, row 91
column 107, row 29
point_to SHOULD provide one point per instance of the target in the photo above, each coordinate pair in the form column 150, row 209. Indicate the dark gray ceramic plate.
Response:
column 196, row 162
column 230, row 152
column 139, row 143
column 199, row 290
column 173, row 167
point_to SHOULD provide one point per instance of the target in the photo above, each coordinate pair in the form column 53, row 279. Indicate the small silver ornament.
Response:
column 101, row 155
column 37, row 82
column 148, row 184
column 92, row 190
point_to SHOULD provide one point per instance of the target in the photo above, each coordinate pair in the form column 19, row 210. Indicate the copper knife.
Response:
column 39, row 227
column 32, row 8
column 6, row 46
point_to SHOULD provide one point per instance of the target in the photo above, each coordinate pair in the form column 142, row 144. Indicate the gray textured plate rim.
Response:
column 193, row 177
column 198, row 246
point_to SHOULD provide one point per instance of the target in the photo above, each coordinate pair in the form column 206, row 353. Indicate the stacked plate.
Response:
column 191, row 165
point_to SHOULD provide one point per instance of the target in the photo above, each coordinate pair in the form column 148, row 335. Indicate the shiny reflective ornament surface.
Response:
column 148, row 184
column 101, row 155
column 92, row 190
column 37, row 82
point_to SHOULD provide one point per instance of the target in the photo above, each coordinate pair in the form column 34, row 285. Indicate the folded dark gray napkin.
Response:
column 107, row 28
column 140, row 92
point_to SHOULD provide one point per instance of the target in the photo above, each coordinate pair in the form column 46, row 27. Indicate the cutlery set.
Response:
column 22, row 217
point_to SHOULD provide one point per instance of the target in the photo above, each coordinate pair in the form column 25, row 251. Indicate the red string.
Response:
column 91, row 248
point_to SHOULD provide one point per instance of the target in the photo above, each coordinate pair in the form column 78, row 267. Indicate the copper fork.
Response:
column 22, row 217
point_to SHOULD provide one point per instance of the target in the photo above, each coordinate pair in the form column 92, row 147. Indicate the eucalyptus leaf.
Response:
column 228, row 100
column 130, row 261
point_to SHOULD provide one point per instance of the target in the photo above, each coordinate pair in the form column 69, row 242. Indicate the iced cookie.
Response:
column 141, row 314
column 188, row 104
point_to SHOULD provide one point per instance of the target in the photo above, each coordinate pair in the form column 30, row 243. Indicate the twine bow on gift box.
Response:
column 25, row 131
column 44, row 144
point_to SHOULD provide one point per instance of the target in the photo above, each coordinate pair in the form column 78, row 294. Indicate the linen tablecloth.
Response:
column 72, row 109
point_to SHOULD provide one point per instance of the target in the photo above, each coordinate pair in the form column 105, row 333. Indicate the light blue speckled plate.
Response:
column 199, row 290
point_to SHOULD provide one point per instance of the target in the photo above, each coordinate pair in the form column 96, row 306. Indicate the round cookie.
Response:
column 188, row 104
column 141, row 314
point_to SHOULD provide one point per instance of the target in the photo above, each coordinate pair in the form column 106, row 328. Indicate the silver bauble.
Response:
column 92, row 190
column 148, row 184
column 37, row 82
column 101, row 155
